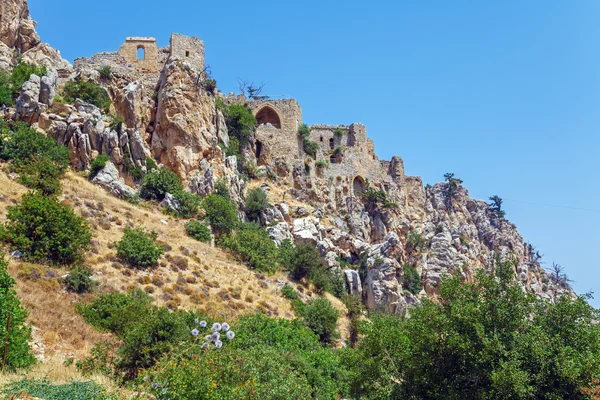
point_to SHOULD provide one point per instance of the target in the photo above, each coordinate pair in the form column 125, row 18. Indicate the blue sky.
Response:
column 504, row 94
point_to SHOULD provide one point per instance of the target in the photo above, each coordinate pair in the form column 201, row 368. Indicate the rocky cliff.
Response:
column 172, row 117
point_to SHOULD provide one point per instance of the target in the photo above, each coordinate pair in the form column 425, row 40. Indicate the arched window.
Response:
column 267, row 115
column 358, row 185
column 141, row 53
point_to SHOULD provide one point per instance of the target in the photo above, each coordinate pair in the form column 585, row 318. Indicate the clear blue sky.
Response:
column 504, row 94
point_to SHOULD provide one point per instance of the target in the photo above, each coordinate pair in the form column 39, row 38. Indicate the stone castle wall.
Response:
column 149, row 62
column 189, row 49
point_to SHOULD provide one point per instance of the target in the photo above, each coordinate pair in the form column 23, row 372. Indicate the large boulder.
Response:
column 108, row 178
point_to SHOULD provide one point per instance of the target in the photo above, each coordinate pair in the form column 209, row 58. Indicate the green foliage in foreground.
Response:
column 18, row 352
column 46, row 230
column 483, row 340
column 220, row 213
column 240, row 121
column 44, row 389
column 139, row 248
column 256, row 202
column 158, row 183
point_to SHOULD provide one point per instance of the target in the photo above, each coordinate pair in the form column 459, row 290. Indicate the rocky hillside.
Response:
column 326, row 187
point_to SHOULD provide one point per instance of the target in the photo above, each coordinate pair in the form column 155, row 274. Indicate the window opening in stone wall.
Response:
column 141, row 53
column 268, row 116
column 259, row 146
column 359, row 185
column 321, row 138
column 187, row 53
column 331, row 144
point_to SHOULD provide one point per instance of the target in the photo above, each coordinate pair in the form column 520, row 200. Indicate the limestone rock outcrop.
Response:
column 17, row 29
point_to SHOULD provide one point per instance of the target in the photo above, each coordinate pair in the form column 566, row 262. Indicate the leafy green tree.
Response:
column 321, row 317
column 139, row 248
column 47, row 230
column 256, row 202
column 189, row 203
column 452, row 188
column 240, row 121
column 18, row 354
column 411, row 280
column 220, row 213
column 483, row 340
column 496, row 206
column 158, row 183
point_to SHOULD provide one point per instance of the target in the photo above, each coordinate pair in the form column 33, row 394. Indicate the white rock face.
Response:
column 108, row 177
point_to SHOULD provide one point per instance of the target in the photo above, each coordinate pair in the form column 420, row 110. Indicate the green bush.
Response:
column 158, row 183
column 269, row 359
column 87, row 91
column 411, row 280
column 21, row 73
column 220, row 213
column 338, row 132
column 240, row 121
column 6, row 97
column 39, row 160
column 42, row 175
column 150, row 164
column 199, row 231
column 311, row 147
column 46, row 230
column 321, row 317
column 189, row 203
column 26, row 144
column 98, row 164
column 321, row 164
column 18, row 354
column 373, row 197
column 252, row 245
column 415, row 241
column 44, row 389
column 114, row 312
column 221, row 189
column 139, row 248
column 256, row 202
column 105, row 72
column 79, row 280
column 304, row 131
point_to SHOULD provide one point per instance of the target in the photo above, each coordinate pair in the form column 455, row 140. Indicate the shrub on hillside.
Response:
column 98, row 164
column 199, row 231
column 304, row 131
column 21, row 73
column 6, row 98
column 105, row 72
column 18, row 352
column 88, row 91
column 240, row 121
column 411, row 280
column 26, row 144
column 220, row 213
column 79, row 281
column 256, row 202
column 252, row 245
column 139, row 248
column 189, row 203
column 321, row 317
column 311, row 147
column 156, row 184
column 42, row 175
column 46, row 230
column 221, row 189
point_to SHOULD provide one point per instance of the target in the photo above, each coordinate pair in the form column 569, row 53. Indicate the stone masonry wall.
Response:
column 189, row 49
column 129, row 51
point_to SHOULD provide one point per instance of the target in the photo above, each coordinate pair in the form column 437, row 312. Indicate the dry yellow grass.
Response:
column 191, row 275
